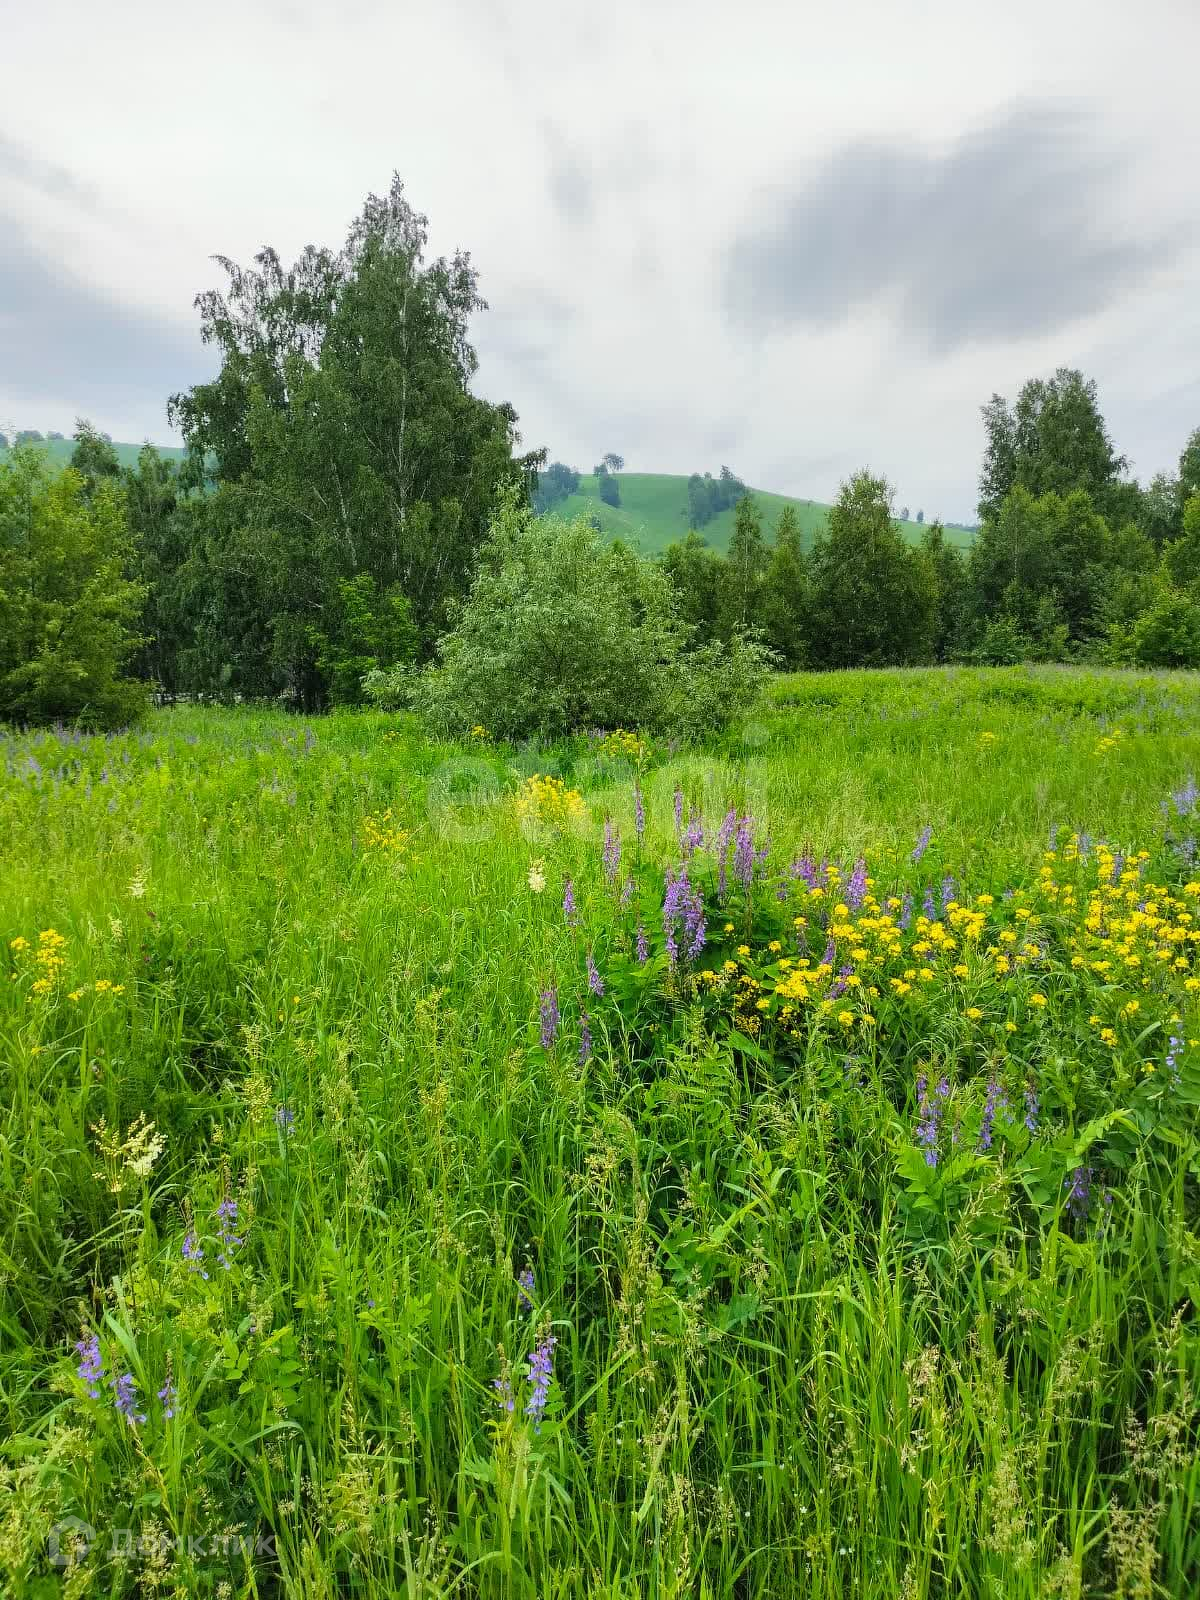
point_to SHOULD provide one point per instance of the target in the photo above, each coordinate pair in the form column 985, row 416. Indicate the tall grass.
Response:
column 790, row 1359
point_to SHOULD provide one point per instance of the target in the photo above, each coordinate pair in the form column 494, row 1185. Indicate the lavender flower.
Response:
column 639, row 811
column 1184, row 800
column 167, row 1395
column 906, row 909
column 995, row 1102
column 285, row 1118
column 743, row 853
column 569, row 909
column 549, row 1017
column 693, row 838
column 643, row 945
column 724, row 835
column 504, row 1394
column 856, row 889
column 540, row 1376
column 526, row 1285
column 683, row 914
column 929, row 907
column 1174, row 1050
column 949, row 892
column 91, row 1364
column 805, row 869
column 1079, row 1200
column 226, row 1214
column 585, row 1040
column 125, row 1399
column 830, row 953
column 626, row 893
column 930, row 1107
column 193, row 1253
column 611, row 855
column 595, row 981
column 1031, row 1107
column 922, row 844
column 1118, row 866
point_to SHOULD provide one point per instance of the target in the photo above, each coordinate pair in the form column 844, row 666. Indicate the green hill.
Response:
column 653, row 513
column 58, row 452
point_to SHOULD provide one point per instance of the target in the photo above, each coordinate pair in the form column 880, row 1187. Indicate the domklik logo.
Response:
column 70, row 1541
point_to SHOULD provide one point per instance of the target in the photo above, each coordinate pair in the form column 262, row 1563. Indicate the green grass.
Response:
column 58, row 452
column 792, row 1358
column 653, row 513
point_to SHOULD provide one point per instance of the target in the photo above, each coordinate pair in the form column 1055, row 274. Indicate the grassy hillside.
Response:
column 58, row 452
column 653, row 513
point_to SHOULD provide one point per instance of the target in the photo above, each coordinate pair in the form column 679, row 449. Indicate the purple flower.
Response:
column 1031, row 1107
column 928, row 906
column 683, row 915
column 856, row 889
column 724, row 835
column 994, row 1102
column 569, row 909
column 743, row 853
column 830, row 953
column 91, row 1364
column 805, row 869
column 929, row 1108
column 906, row 909
column 693, row 839
column 226, row 1214
column 125, row 1399
column 949, row 892
column 1174, row 1050
column 595, row 981
column 585, row 1040
column 540, row 1376
column 1055, row 830
column 1079, row 1200
column 626, row 893
column 285, row 1118
column 504, row 1394
column 167, row 1395
column 678, row 812
column 526, row 1286
column 921, row 845
column 1118, row 866
column 639, row 811
column 611, row 855
column 193, row 1253
column 549, row 1017
column 1184, row 800
column 643, row 945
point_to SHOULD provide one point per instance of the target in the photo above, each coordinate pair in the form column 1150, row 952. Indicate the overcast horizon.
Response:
column 790, row 244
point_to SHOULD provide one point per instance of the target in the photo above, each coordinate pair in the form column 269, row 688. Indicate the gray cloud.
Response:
column 1014, row 231
column 63, row 342
column 572, row 186
column 22, row 165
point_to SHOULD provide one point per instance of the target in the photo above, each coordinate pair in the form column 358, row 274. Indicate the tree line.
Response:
column 340, row 478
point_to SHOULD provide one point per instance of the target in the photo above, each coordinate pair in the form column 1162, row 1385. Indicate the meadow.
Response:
column 621, row 1169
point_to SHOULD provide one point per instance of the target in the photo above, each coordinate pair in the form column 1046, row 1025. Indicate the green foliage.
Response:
column 786, row 599
column 93, row 457
column 1181, row 556
column 563, row 631
column 1052, row 441
column 554, row 484
column 369, row 634
column 874, row 601
column 67, row 609
column 610, row 489
column 347, row 441
column 700, row 577
column 1168, row 633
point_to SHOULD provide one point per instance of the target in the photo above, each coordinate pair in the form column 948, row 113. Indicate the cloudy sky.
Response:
column 796, row 239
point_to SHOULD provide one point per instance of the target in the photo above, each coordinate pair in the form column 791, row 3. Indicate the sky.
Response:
column 794, row 239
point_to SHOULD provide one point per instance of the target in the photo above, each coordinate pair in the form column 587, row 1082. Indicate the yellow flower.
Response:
column 775, row 947
column 1010, row 1026
column 974, row 1013
column 960, row 971
column 1038, row 1000
column 846, row 1018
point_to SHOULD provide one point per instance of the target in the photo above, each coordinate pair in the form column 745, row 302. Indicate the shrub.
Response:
column 67, row 611
column 1168, row 634
column 563, row 630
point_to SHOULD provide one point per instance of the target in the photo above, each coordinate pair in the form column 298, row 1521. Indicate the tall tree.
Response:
column 613, row 461
column 343, row 430
column 873, row 600
column 948, row 579
column 699, row 577
column 1053, row 440
column 748, row 559
column 93, row 457
column 785, row 599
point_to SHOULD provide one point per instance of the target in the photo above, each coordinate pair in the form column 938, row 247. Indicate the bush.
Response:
column 1168, row 634
column 67, row 611
column 563, row 630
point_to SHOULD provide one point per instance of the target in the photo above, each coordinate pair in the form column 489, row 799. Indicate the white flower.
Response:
column 537, row 875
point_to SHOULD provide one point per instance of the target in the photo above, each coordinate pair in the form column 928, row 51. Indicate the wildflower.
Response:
column 693, row 839
column 921, row 845
column 611, row 855
column 683, row 914
column 1079, row 1200
column 1038, row 1000
column 585, row 1040
column 167, row 1395
column 226, row 1214
column 537, row 875
column 570, row 911
column 643, row 945
column 504, row 1394
column 549, row 1017
column 724, row 834
column 125, row 1399
column 929, row 1108
column 904, row 920
column 948, row 891
column 526, row 1285
column 285, row 1118
column 595, row 981
column 540, row 1376
column 193, row 1254
column 743, row 853
column 993, row 1103
column 929, row 906
column 1031, row 1108
column 91, row 1365
column 639, row 811
column 626, row 893
column 678, row 812
column 857, row 887
column 1174, row 1048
